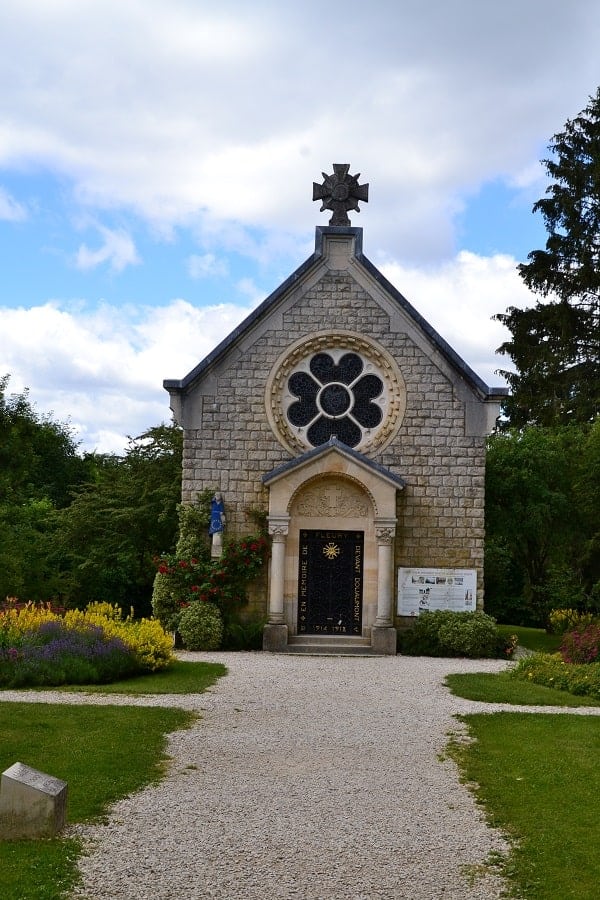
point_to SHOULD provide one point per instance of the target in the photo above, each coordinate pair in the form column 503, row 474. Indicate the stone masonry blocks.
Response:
column 440, row 512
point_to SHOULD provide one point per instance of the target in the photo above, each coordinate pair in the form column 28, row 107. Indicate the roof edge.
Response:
column 332, row 444
column 174, row 385
column 490, row 394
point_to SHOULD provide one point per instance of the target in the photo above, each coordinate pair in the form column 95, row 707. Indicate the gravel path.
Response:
column 315, row 778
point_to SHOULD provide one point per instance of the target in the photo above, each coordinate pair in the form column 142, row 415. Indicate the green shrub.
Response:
column 201, row 626
column 550, row 670
column 449, row 633
column 243, row 634
column 194, row 519
column 167, row 599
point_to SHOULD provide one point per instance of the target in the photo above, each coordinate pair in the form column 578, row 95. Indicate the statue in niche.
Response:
column 217, row 524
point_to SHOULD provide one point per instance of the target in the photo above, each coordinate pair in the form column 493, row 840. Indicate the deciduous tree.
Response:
column 107, row 538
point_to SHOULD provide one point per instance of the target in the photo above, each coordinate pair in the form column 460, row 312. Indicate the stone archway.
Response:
column 331, row 557
column 332, row 489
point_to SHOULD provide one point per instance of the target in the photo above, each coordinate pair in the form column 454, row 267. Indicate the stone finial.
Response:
column 340, row 192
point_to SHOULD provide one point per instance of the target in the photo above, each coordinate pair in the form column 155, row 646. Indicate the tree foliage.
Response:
column 38, row 456
column 39, row 467
column 78, row 528
column 108, row 536
column 542, row 522
column 555, row 345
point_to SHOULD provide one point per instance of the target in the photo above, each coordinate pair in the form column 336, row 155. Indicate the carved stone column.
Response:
column 275, row 634
column 383, row 634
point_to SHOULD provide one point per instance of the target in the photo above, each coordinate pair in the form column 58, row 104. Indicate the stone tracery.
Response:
column 339, row 385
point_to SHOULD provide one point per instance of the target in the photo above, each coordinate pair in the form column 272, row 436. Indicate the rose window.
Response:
column 335, row 399
column 335, row 384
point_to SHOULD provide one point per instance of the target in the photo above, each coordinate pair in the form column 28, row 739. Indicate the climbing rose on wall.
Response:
column 223, row 581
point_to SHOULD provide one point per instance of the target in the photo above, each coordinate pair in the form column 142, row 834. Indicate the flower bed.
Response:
column 576, row 668
column 42, row 646
column 551, row 670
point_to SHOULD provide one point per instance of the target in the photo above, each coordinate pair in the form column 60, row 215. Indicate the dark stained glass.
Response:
column 304, row 409
column 335, row 400
column 368, row 414
column 303, row 386
column 325, row 370
column 343, row 429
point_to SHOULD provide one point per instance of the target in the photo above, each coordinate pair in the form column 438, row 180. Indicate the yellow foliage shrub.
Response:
column 16, row 621
column 147, row 638
column 150, row 642
column 562, row 620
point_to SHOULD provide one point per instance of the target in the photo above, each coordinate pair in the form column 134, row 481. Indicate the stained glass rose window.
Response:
column 335, row 399
column 338, row 384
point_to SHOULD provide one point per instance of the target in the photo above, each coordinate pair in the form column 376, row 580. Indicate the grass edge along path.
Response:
column 181, row 677
column 98, row 752
column 501, row 687
column 537, row 776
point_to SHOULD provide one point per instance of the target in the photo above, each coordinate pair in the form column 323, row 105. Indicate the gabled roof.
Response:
column 332, row 445
column 175, row 386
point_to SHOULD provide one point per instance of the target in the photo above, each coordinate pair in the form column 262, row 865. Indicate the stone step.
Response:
column 350, row 639
column 329, row 645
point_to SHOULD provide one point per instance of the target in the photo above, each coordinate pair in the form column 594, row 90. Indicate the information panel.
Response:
column 421, row 590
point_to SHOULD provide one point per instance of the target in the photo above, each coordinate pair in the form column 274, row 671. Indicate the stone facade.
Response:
column 424, row 432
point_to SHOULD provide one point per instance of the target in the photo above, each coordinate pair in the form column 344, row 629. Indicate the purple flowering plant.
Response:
column 54, row 654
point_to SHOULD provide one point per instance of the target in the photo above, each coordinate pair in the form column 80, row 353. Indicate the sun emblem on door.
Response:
column 331, row 550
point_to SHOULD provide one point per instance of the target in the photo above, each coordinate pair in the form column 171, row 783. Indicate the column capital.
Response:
column 278, row 527
column 385, row 530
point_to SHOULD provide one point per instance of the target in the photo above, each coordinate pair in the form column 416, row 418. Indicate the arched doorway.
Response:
column 332, row 517
column 332, row 521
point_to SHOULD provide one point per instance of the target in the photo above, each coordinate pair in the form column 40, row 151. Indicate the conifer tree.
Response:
column 555, row 345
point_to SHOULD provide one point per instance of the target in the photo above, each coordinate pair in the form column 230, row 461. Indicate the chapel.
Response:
column 337, row 409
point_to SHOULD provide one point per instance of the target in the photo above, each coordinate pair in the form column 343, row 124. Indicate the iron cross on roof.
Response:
column 340, row 192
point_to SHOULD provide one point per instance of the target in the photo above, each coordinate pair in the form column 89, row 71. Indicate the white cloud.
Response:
column 459, row 299
column 103, row 369
column 10, row 209
column 206, row 266
column 118, row 250
column 185, row 111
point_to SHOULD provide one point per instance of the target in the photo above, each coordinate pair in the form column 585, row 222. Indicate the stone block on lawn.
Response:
column 32, row 804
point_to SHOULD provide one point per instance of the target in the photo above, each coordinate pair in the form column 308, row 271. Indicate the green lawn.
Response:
column 180, row 678
column 533, row 638
column 538, row 777
column 487, row 687
column 102, row 752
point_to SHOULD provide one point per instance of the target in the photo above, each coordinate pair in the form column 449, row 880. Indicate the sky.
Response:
column 157, row 160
